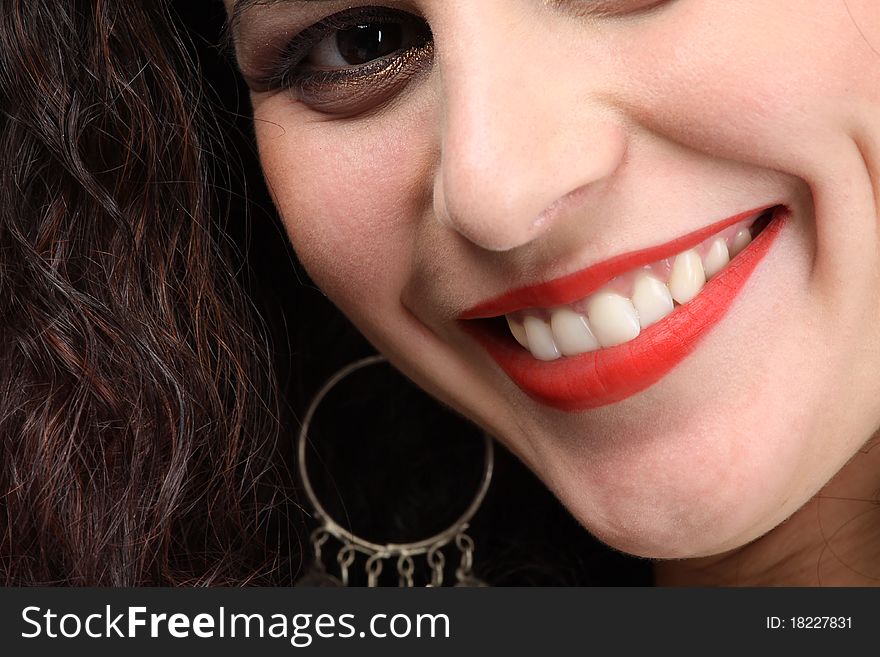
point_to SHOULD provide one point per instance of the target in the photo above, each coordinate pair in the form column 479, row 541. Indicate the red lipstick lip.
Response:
column 580, row 284
column 609, row 375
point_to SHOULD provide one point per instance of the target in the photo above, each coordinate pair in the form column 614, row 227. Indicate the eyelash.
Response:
column 358, row 87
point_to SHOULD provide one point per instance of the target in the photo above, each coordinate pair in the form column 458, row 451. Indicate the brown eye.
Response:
column 365, row 43
column 355, row 60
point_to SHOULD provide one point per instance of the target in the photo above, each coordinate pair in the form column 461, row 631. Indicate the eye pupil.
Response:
column 364, row 43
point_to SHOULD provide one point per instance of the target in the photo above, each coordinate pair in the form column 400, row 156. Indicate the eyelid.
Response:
column 347, row 95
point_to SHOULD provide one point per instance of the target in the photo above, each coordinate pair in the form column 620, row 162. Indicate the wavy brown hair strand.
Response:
column 138, row 421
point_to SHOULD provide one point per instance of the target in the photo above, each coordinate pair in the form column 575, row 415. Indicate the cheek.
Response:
column 803, row 98
column 350, row 197
column 759, row 109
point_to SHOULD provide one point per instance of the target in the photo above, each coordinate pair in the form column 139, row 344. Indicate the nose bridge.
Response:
column 517, row 133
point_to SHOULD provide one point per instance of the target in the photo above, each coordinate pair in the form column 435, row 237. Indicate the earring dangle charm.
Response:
column 317, row 575
column 464, row 574
column 377, row 557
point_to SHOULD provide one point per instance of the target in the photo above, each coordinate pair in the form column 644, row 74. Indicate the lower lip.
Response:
column 606, row 376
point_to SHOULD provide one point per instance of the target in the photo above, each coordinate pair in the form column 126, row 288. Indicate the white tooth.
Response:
column 572, row 333
column 740, row 242
column 612, row 318
column 519, row 331
column 651, row 300
column 540, row 339
column 687, row 277
column 716, row 259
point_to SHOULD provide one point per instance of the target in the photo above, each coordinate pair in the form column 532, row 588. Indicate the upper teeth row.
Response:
column 629, row 303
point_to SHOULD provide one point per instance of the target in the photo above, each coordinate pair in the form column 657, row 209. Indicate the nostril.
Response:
column 493, row 220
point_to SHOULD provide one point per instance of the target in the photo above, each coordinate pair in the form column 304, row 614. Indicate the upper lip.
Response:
column 582, row 283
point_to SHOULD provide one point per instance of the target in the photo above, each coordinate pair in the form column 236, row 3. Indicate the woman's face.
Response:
column 451, row 164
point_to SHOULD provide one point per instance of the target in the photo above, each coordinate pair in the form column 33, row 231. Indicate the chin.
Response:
column 682, row 495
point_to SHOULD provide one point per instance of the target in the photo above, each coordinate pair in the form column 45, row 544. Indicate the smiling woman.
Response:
column 673, row 205
column 636, row 241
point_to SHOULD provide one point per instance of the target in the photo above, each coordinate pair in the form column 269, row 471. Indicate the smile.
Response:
column 607, row 332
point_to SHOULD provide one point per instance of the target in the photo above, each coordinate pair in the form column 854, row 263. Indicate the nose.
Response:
column 521, row 130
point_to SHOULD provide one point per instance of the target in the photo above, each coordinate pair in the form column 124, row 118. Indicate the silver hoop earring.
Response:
column 375, row 556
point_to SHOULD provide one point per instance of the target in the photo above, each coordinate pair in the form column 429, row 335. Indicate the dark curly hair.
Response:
column 138, row 419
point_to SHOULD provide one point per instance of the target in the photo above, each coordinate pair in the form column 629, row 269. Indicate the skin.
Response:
column 544, row 138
